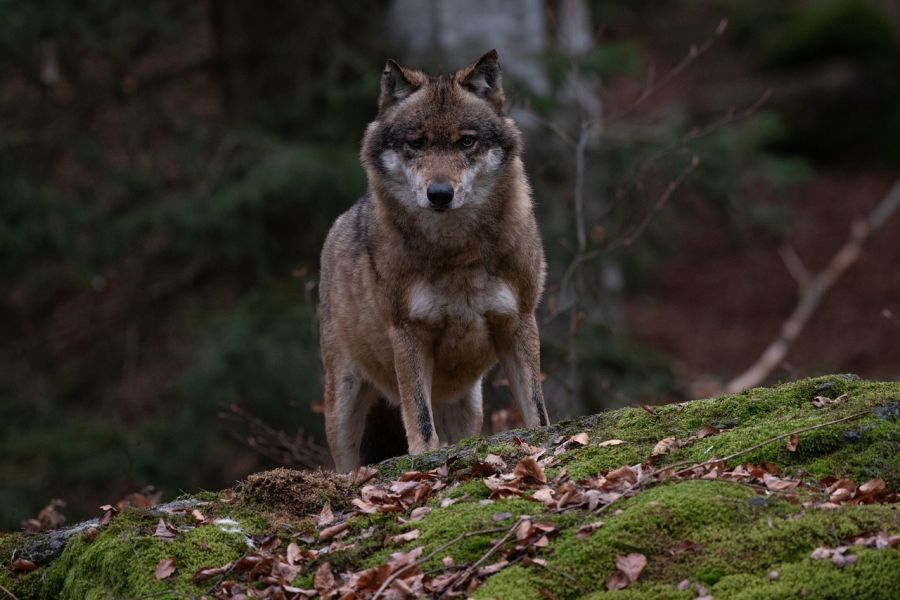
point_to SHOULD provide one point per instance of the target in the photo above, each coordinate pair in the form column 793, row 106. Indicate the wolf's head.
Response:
column 440, row 145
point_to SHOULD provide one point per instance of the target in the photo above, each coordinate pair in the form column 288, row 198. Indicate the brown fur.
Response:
column 416, row 304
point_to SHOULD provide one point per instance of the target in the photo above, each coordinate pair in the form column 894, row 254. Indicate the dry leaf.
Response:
column 778, row 484
column 617, row 580
column 707, row 431
column 164, row 568
column 580, row 438
column 842, row 560
column 293, row 553
column 324, row 580
column 664, row 446
column 586, row 530
column 632, row 565
column 208, row 573
column 875, row 487
column 401, row 538
column 364, row 474
column 330, row 532
column 164, row 532
column 530, row 471
column 419, row 513
column 792, row 442
column 326, row 516
column 606, row 443
column 495, row 461
column 23, row 565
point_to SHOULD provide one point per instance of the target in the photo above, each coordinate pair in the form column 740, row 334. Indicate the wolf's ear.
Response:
column 397, row 83
column 483, row 79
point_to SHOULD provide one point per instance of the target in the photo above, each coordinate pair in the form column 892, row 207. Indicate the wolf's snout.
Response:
column 440, row 195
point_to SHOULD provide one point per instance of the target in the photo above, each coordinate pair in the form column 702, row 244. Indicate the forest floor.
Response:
column 777, row 492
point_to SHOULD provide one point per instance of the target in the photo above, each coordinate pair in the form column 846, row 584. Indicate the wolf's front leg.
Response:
column 518, row 348
column 347, row 401
column 461, row 418
column 414, row 364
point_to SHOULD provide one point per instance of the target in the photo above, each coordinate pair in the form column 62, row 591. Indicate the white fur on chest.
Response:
column 464, row 297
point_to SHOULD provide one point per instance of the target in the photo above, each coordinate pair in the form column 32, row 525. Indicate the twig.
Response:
column 795, row 266
column 583, row 257
column 435, row 552
column 729, row 118
column 652, row 87
column 468, row 572
column 299, row 450
column 813, row 293
column 11, row 595
column 658, row 206
column 779, row 437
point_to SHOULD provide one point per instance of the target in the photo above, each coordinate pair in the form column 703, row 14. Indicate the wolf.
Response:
column 434, row 275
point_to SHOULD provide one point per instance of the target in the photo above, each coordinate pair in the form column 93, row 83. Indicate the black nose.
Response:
column 440, row 194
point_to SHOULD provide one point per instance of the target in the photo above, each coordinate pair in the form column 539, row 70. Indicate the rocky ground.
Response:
column 782, row 492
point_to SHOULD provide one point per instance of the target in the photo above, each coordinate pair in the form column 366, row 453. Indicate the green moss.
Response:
column 22, row 585
column 514, row 583
column 121, row 560
column 860, row 449
column 589, row 461
column 735, row 534
column 875, row 576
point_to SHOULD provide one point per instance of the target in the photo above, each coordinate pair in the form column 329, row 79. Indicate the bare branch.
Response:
column 795, row 266
column 812, row 295
column 658, row 206
column 652, row 86
column 432, row 554
column 298, row 450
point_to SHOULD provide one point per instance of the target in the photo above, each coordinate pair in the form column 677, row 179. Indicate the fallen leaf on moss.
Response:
column 324, row 579
column 109, row 511
column 617, row 580
column 326, row 516
column 401, row 538
column 707, row 431
column 164, row 568
column 419, row 513
column 330, row 532
column 209, row 572
column 778, row 484
column 664, row 446
column 164, row 531
column 606, row 443
column 792, row 442
column 364, row 474
column 586, row 530
column 632, row 565
column 530, row 471
column 23, row 565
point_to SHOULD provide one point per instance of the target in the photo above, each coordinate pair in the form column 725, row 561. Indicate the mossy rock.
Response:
column 737, row 535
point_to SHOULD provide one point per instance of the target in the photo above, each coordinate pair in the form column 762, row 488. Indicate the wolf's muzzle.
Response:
column 440, row 195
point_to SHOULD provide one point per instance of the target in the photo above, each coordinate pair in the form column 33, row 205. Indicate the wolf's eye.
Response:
column 467, row 141
column 416, row 144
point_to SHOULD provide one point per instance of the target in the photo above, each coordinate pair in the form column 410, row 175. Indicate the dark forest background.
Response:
column 168, row 171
